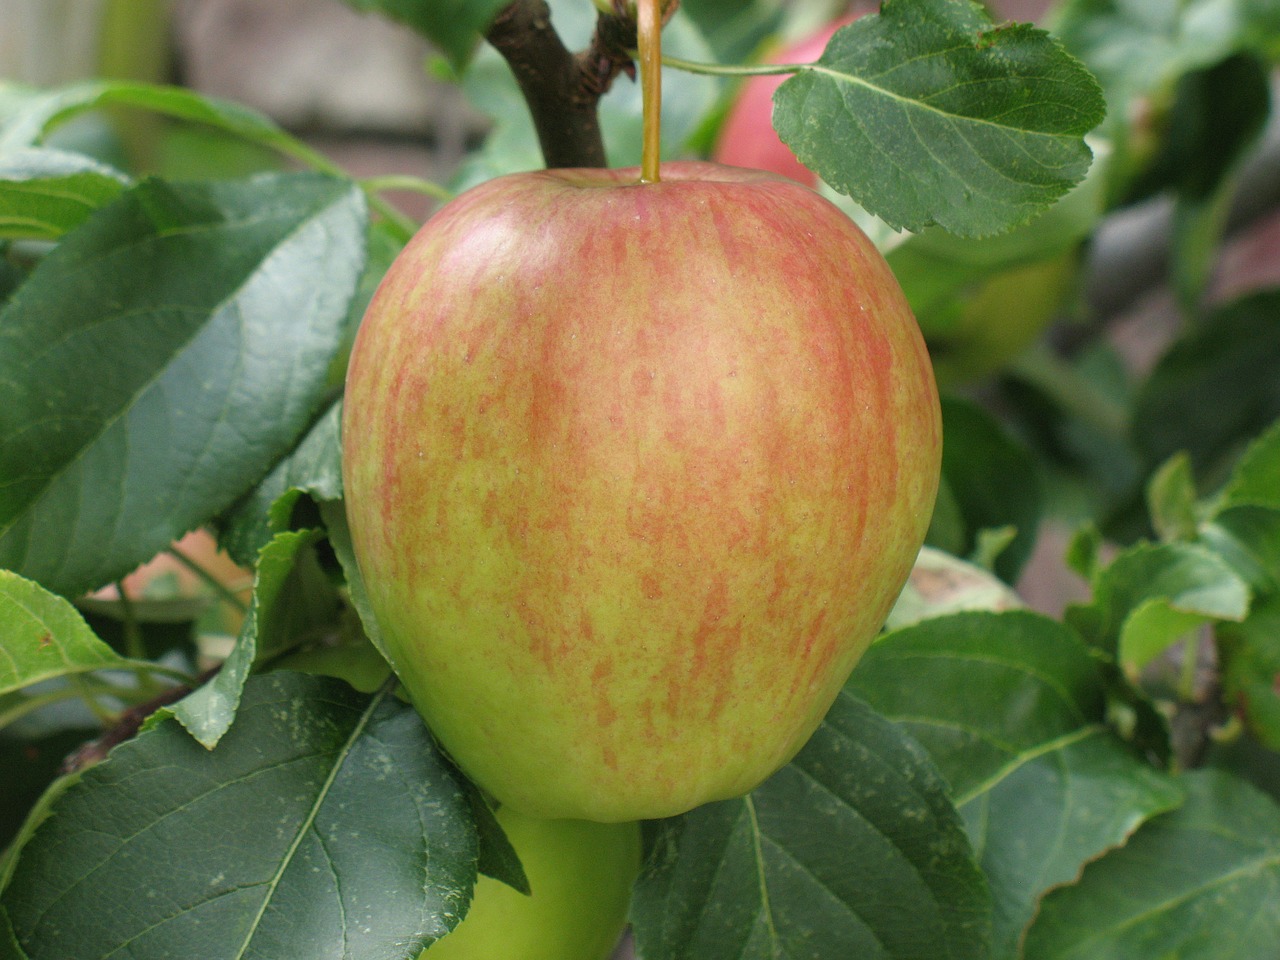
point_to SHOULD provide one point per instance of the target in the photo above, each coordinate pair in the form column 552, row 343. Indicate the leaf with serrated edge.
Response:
column 1010, row 706
column 206, row 316
column 46, row 192
column 929, row 113
column 852, row 850
column 1201, row 883
column 208, row 712
column 325, row 823
column 44, row 636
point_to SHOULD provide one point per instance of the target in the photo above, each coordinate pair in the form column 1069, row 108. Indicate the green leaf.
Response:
column 852, row 850
column 1255, row 480
column 929, row 113
column 1171, row 499
column 993, row 480
column 44, row 636
column 30, row 765
column 1062, row 808
column 1038, row 684
column 1010, row 707
column 207, row 316
column 1201, row 883
column 46, row 192
column 324, row 824
column 454, row 26
column 314, row 468
column 207, row 712
column 39, row 115
column 1151, row 595
column 334, row 515
column 1215, row 389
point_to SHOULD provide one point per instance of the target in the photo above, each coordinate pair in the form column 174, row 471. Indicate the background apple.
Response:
column 747, row 137
column 580, row 875
column 634, row 473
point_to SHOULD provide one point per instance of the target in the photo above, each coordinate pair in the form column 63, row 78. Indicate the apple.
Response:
column 580, row 876
column 747, row 137
column 634, row 473
column 999, row 318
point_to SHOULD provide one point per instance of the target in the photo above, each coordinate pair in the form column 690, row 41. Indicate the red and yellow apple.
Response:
column 634, row 472
column 580, row 876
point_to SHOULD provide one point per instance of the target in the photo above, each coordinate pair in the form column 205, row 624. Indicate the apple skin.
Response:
column 634, row 473
column 747, row 137
column 580, row 876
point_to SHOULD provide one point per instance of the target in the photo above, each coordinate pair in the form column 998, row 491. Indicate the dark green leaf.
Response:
column 325, row 824
column 453, row 25
column 1216, row 388
column 46, row 192
column 1060, row 809
column 30, row 765
column 983, row 692
column 852, row 850
column 1201, row 883
column 161, row 359
column 43, row 636
column 497, row 857
column 334, row 515
column 1011, row 706
column 929, row 113
column 993, row 479
column 278, row 603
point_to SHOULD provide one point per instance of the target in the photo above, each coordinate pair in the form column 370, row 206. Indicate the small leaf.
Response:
column 1255, row 480
column 325, row 824
column 1201, row 883
column 44, row 193
column 1250, row 667
column 207, row 712
column 852, row 850
column 44, row 636
column 1151, row 595
column 1171, row 499
column 207, row 316
column 929, row 113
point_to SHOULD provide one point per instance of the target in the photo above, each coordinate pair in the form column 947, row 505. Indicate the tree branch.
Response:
column 561, row 88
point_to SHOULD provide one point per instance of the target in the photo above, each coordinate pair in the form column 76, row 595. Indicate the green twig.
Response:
column 225, row 593
column 133, row 643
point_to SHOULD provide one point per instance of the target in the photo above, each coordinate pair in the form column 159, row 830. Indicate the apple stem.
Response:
column 649, row 40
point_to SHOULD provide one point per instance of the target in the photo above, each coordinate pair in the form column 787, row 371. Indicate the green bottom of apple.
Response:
column 580, row 874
